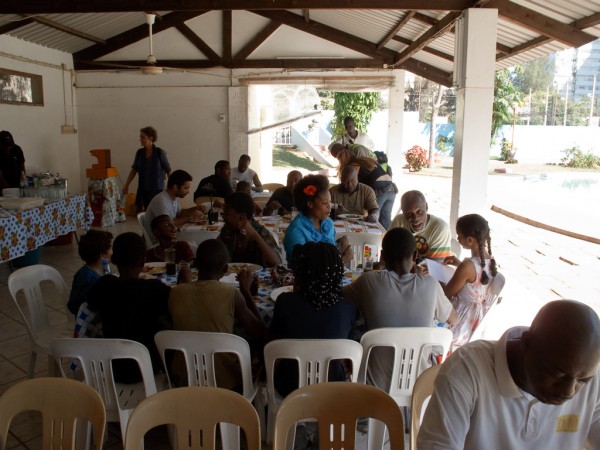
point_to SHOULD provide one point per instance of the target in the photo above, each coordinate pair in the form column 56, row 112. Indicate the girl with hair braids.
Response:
column 468, row 287
column 315, row 309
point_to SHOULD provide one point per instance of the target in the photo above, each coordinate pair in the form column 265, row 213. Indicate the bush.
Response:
column 506, row 153
column 574, row 157
column 417, row 158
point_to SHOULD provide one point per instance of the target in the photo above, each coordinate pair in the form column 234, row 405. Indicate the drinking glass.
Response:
column 170, row 261
column 368, row 264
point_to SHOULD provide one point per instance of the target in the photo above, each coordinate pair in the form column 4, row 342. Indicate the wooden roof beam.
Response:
column 86, row 6
column 257, row 40
column 227, row 34
column 394, row 31
column 197, row 41
column 15, row 25
column 134, row 35
column 429, row 50
column 72, row 31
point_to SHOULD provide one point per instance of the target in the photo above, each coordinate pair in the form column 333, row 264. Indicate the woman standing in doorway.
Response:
column 152, row 165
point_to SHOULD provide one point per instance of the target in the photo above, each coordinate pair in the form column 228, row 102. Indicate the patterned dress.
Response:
column 469, row 304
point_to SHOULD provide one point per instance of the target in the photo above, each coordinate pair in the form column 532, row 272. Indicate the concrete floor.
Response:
column 539, row 266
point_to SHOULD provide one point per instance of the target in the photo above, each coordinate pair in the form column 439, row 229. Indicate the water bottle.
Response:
column 105, row 266
column 23, row 183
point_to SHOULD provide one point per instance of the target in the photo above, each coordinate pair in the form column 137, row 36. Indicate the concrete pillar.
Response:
column 260, row 144
column 238, row 122
column 474, row 60
column 395, row 147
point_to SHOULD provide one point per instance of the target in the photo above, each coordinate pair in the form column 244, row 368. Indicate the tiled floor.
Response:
column 539, row 266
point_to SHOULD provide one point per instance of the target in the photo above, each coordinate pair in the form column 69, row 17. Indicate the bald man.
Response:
column 355, row 197
column 282, row 197
column 535, row 388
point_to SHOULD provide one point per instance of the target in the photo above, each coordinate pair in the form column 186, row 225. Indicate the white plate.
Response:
column 237, row 267
column 350, row 216
column 277, row 292
column 154, row 268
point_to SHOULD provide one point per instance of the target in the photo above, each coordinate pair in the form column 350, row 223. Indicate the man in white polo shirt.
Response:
column 535, row 388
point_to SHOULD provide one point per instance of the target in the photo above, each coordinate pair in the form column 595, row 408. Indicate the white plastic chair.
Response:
column 492, row 298
column 147, row 237
column 39, row 330
column 409, row 344
column 199, row 349
column 336, row 407
column 422, row 392
column 271, row 187
column 95, row 357
column 62, row 403
column 194, row 412
column 313, row 357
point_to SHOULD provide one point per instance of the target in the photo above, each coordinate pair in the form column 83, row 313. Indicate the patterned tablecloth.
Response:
column 106, row 201
column 22, row 231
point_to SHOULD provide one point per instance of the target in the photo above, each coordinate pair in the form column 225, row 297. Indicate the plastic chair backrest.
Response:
column 313, row 357
column 337, row 406
column 358, row 240
column 28, row 280
column 422, row 392
column 142, row 221
column 195, row 412
column 271, row 187
column 61, row 402
column 199, row 349
column 95, row 356
column 408, row 343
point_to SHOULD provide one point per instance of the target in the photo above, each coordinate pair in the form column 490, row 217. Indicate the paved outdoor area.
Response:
column 539, row 266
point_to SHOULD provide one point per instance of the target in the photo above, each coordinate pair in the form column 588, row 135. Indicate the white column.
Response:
column 395, row 149
column 238, row 122
column 474, row 61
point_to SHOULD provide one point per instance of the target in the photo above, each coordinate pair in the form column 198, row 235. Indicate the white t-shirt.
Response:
column 361, row 138
column 248, row 175
column 477, row 405
column 160, row 205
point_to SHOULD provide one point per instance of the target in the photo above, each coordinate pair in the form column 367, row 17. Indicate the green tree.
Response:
column 535, row 75
column 359, row 105
column 506, row 96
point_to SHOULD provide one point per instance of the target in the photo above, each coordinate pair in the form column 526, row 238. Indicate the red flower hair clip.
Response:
column 310, row 190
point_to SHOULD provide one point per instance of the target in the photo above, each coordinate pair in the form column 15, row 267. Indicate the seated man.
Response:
column 178, row 186
column 165, row 231
column 246, row 239
column 130, row 307
column 244, row 187
column 432, row 234
column 210, row 305
column 283, row 197
column 243, row 173
column 536, row 387
column 354, row 197
column 397, row 298
column 216, row 185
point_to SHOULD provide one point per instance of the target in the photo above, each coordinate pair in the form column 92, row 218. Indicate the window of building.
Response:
column 21, row 88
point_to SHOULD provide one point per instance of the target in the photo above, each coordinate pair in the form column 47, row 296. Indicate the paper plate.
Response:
column 277, row 292
column 238, row 267
column 350, row 216
column 154, row 268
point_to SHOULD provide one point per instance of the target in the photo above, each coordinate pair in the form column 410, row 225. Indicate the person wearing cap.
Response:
column 12, row 161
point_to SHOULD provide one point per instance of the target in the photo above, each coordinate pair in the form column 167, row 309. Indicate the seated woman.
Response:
column 468, row 287
column 165, row 231
column 244, row 186
column 314, row 310
column 94, row 246
column 312, row 224
column 130, row 307
column 373, row 175
column 247, row 240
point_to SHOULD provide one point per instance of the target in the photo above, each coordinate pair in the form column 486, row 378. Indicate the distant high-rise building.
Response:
column 576, row 68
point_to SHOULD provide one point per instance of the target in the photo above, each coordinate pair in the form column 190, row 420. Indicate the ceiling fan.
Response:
column 151, row 68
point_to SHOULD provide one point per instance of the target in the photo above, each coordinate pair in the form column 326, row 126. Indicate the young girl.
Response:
column 468, row 287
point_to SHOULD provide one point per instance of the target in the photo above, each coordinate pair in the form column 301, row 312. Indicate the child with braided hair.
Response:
column 468, row 287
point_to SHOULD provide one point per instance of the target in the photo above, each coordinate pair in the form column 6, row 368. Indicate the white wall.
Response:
column 183, row 107
column 37, row 128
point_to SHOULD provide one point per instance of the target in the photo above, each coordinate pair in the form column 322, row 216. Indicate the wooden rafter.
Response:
column 86, row 6
column 306, row 14
column 429, row 50
column 394, row 31
column 552, row 28
column 66, row 29
column 435, row 31
column 197, row 41
column 15, row 25
column 134, row 35
column 257, row 40
column 227, row 34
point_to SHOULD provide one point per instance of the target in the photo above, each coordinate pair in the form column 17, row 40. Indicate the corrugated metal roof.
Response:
column 369, row 25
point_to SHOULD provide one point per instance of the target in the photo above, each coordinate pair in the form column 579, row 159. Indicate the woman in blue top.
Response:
column 312, row 224
column 152, row 165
